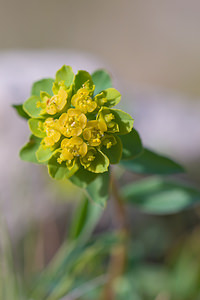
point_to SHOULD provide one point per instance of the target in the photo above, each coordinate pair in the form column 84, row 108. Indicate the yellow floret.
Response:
column 109, row 118
column 94, row 132
column 100, row 99
column 57, row 102
column 88, row 158
column 72, row 148
column 72, row 123
column 83, row 101
column 108, row 141
column 51, row 127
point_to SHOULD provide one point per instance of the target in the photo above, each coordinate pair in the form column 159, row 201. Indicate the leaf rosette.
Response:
column 74, row 128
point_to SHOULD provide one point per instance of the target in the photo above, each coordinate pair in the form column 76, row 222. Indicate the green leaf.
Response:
column 113, row 97
column 123, row 120
column 43, row 154
column 100, row 164
column 60, row 171
column 65, row 74
column 114, row 153
column 30, row 107
column 150, row 162
column 132, row 145
column 83, row 177
column 157, row 196
column 102, row 81
column 84, row 220
column 44, row 96
column 109, row 98
column 27, row 153
column 35, row 127
column 44, row 85
column 20, row 111
column 80, row 78
column 98, row 189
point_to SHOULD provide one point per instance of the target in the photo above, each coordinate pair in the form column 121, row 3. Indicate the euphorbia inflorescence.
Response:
column 74, row 126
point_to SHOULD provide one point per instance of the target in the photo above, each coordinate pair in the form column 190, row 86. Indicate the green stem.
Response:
column 119, row 253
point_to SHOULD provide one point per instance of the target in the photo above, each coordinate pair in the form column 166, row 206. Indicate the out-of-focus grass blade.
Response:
column 86, row 287
column 9, row 289
column 60, row 265
column 60, row 277
column 92, row 254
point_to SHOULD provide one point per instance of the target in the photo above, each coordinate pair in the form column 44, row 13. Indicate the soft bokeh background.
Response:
column 147, row 42
column 152, row 48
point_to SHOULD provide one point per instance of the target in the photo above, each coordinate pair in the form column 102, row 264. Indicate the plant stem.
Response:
column 119, row 253
column 119, row 206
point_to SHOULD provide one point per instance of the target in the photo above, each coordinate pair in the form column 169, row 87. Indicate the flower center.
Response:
column 71, row 148
column 72, row 123
column 83, row 101
column 94, row 132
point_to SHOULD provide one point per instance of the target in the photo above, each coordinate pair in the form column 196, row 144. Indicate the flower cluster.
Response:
column 75, row 124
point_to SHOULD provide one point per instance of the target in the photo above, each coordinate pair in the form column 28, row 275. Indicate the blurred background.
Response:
column 151, row 48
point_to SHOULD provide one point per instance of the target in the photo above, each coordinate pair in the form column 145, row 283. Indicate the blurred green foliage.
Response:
column 162, row 259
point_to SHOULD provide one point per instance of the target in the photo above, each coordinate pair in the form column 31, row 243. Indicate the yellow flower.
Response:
column 72, row 148
column 72, row 123
column 94, row 132
column 51, row 127
column 88, row 158
column 83, row 101
column 100, row 99
column 111, row 124
column 108, row 141
column 57, row 102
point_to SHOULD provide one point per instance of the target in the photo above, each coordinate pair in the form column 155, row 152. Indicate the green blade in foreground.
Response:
column 150, row 162
column 61, row 274
column 158, row 196
column 9, row 287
